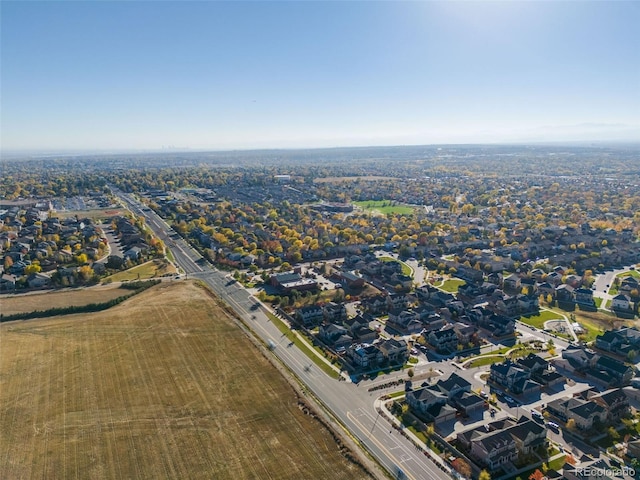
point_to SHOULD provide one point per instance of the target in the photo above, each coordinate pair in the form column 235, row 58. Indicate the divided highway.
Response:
column 351, row 404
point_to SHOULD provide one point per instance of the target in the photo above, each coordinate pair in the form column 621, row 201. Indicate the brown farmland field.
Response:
column 164, row 385
column 10, row 304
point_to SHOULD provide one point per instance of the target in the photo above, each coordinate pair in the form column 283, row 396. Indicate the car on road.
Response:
column 553, row 426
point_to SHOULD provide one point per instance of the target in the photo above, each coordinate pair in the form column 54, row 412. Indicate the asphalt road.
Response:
column 353, row 405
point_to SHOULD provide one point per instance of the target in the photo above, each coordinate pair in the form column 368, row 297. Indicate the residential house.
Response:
column 623, row 341
column 529, row 436
column 468, row 403
column 545, row 288
column 464, row 332
column 335, row 336
column 406, row 322
column 334, row 312
column 564, row 293
column 364, row 356
column 584, row 413
column 512, row 377
column 432, row 321
column 430, row 404
column 621, row 302
column 7, row 281
column 394, row 352
column 528, row 304
column 600, row 368
column 554, row 278
column 505, row 305
column 310, row 315
column 375, row 305
column 37, row 280
column 512, row 283
column 359, row 329
column 351, row 280
column 423, row 292
column 615, row 403
column 584, row 296
column 621, row 373
column 444, row 340
column 397, row 301
column 573, row 281
column 537, row 274
column 494, row 450
column 133, row 253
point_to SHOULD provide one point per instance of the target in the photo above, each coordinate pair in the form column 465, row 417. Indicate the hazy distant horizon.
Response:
column 44, row 153
column 216, row 75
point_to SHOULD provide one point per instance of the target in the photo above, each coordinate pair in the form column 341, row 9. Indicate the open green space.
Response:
column 485, row 360
column 385, row 207
column 451, row 285
column 539, row 319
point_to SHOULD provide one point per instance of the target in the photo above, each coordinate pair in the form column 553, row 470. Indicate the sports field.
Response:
column 385, row 206
column 163, row 385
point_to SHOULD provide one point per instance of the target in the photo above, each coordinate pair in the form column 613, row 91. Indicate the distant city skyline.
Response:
column 251, row 75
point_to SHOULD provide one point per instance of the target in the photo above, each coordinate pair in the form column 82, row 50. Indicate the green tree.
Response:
column 484, row 475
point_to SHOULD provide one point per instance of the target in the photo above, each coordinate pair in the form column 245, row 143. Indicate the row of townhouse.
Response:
column 352, row 330
column 528, row 374
column 600, row 368
column 371, row 356
column 440, row 402
column 313, row 315
column 624, row 341
column 499, row 445
column 594, row 410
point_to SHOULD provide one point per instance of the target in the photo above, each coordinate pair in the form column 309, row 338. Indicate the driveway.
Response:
column 114, row 244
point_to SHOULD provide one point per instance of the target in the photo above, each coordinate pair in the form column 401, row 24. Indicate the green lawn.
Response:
column 397, row 394
column 485, row 360
column 385, row 207
column 451, row 285
column 558, row 463
column 498, row 356
column 630, row 273
column 538, row 320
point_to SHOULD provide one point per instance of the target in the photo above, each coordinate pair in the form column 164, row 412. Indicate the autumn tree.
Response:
column 462, row 467
column 537, row 475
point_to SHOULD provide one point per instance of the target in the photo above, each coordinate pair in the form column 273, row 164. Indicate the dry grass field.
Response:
column 152, row 269
column 10, row 304
column 163, row 385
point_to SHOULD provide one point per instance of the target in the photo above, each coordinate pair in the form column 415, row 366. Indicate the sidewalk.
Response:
column 382, row 409
column 304, row 340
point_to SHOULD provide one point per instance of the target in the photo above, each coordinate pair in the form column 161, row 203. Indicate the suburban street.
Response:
column 351, row 404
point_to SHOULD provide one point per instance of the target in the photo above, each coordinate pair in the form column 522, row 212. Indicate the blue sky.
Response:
column 218, row 75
